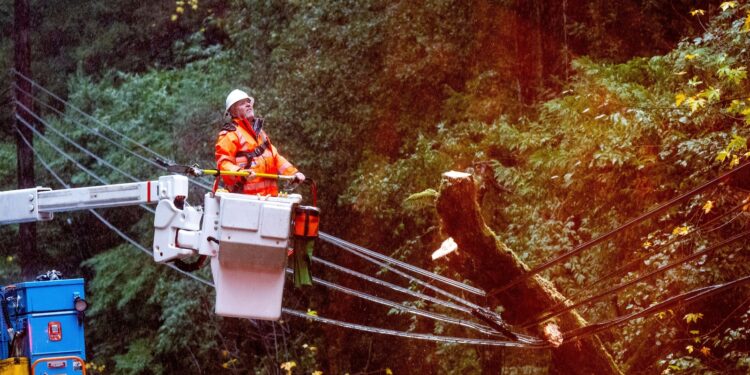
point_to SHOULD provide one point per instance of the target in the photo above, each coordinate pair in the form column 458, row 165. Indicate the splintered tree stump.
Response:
column 490, row 264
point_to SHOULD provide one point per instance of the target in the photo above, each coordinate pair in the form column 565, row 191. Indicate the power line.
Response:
column 135, row 179
column 91, row 130
column 588, row 289
column 92, row 118
column 323, row 235
column 67, row 156
column 578, row 249
column 644, row 277
column 101, row 218
column 386, row 284
column 428, row 314
column 685, row 298
column 571, row 335
column 108, row 139
column 341, row 243
column 411, row 278
column 75, row 144
column 413, row 335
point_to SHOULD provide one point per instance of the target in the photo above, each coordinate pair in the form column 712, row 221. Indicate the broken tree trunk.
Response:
column 489, row 264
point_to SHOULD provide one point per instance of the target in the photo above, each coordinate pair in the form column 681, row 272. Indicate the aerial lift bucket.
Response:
column 250, row 268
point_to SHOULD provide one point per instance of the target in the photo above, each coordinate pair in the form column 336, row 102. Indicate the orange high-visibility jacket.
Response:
column 234, row 151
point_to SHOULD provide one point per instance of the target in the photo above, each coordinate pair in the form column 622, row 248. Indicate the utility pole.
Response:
column 25, row 158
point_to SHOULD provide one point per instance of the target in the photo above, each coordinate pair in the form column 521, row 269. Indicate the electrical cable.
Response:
column 108, row 139
column 395, row 305
column 412, row 278
column 101, row 218
column 135, row 179
column 76, row 144
column 91, row 130
column 447, row 339
column 570, row 335
column 386, row 284
column 648, row 275
column 588, row 289
column 685, row 298
column 342, row 243
column 413, row 335
column 60, row 151
column 578, row 249
column 67, row 156
column 92, row 118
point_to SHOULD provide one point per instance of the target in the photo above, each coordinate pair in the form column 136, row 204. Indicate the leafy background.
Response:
column 574, row 116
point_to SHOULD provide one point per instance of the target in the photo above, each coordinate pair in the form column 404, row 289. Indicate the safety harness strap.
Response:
column 258, row 150
column 257, row 127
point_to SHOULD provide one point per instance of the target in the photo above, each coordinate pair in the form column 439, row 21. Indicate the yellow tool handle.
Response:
column 214, row 172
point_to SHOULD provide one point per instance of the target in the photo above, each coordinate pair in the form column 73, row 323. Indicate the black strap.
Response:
column 190, row 266
column 258, row 125
column 257, row 128
column 258, row 150
column 229, row 126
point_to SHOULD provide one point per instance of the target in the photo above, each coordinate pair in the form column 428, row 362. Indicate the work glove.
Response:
column 299, row 178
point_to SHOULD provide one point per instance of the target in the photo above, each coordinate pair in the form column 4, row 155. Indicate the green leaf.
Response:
column 422, row 199
column 728, row 5
column 695, row 103
column 693, row 317
column 712, row 94
column 734, row 75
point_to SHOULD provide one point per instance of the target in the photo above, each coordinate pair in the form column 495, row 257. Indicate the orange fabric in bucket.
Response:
column 306, row 220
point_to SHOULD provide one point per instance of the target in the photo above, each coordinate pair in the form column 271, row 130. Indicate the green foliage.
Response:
column 166, row 110
column 422, row 199
column 139, row 359
column 7, row 165
column 620, row 139
column 454, row 359
column 718, row 351
column 375, row 100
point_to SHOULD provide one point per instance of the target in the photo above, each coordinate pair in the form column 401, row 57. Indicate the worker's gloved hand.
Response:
column 299, row 178
column 242, row 180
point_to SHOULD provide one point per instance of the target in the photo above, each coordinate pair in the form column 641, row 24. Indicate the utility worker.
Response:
column 243, row 145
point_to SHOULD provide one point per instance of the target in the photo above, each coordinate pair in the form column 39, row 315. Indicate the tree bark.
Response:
column 489, row 263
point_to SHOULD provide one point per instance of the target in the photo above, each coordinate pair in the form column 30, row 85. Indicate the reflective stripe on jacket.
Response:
column 231, row 146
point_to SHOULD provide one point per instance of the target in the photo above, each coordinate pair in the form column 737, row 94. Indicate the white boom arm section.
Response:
column 39, row 204
column 247, row 237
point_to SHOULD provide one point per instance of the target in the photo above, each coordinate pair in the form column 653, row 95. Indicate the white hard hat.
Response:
column 235, row 96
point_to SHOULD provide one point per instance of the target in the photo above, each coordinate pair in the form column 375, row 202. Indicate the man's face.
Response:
column 243, row 108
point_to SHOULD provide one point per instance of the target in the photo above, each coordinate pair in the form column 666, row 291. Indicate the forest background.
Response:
column 573, row 116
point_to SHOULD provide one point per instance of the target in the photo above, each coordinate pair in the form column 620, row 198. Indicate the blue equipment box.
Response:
column 44, row 311
column 40, row 345
column 44, row 296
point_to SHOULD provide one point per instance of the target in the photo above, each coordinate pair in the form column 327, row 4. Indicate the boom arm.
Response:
column 40, row 203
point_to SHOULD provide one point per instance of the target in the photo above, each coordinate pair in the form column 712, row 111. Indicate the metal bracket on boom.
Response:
column 22, row 206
